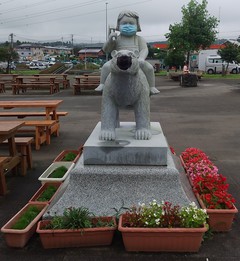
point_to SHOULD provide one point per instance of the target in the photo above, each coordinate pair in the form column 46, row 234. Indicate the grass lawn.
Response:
column 205, row 75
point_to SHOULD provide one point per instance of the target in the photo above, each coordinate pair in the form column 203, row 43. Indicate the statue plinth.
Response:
column 126, row 150
column 101, row 188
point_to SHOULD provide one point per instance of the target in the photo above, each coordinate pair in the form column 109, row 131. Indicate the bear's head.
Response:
column 125, row 61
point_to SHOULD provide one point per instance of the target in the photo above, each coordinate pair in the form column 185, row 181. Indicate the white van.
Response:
column 214, row 64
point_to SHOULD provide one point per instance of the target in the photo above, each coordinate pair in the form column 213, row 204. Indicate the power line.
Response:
column 55, row 10
column 6, row 2
column 26, row 6
column 73, row 16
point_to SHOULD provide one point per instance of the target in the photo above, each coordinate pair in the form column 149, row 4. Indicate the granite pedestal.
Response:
column 126, row 150
column 103, row 188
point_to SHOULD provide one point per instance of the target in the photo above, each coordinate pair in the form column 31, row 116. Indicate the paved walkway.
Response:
column 206, row 117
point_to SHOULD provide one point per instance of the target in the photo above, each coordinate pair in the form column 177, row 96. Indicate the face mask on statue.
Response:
column 128, row 29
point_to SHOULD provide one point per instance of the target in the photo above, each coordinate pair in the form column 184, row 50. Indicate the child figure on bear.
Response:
column 128, row 25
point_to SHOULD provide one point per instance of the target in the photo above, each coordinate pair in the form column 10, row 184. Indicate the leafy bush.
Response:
column 77, row 218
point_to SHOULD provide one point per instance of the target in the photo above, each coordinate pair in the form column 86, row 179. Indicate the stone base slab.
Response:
column 126, row 150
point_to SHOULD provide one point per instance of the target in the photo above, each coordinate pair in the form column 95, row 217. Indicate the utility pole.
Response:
column 10, row 53
column 72, row 44
column 63, row 51
column 11, row 40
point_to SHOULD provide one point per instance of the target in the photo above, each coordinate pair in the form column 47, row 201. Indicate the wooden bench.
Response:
column 6, row 164
column 59, row 78
column 43, row 130
column 24, row 147
column 23, row 114
column 86, row 82
column 2, row 87
column 7, row 80
column 53, row 87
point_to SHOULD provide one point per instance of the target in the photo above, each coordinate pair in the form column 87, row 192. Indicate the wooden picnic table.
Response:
column 35, row 82
column 6, row 79
column 59, row 78
column 43, row 128
column 85, row 77
column 86, row 82
column 8, row 130
column 50, row 106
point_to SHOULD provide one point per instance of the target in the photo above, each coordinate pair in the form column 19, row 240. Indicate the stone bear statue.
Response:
column 125, row 86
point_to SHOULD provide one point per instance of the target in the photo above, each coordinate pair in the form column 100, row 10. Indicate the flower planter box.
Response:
column 62, row 238
column 45, row 176
column 185, row 168
column 220, row 220
column 61, row 156
column 161, row 239
column 19, row 238
column 35, row 197
column 183, row 163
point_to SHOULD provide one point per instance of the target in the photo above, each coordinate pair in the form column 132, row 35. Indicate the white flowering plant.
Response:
column 165, row 215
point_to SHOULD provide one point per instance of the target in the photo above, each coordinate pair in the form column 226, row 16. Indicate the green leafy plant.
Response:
column 77, row 218
column 58, row 172
column 191, row 216
column 165, row 215
column 47, row 193
column 70, row 156
column 26, row 218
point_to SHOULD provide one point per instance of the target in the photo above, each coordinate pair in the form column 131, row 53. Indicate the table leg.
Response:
column 3, row 185
column 12, row 146
column 12, row 151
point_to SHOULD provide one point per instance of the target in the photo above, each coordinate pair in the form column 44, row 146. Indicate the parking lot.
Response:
column 206, row 117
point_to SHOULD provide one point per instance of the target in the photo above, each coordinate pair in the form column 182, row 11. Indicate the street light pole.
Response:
column 85, row 63
column 106, row 28
column 106, row 21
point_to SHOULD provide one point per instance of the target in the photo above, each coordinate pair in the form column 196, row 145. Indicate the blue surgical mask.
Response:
column 128, row 29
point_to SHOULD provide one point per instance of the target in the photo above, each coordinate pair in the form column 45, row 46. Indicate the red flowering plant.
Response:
column 203, row 168
column 210, row 185
column 194, row 155
column 213, row 191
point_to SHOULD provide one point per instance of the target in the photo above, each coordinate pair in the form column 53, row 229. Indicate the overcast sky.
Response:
column 85, row 20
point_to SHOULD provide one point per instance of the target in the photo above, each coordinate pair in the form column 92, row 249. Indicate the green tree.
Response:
column 230, row 54
column 174, row 58
column 151, row 51
column 8, row 55
column 197, row 30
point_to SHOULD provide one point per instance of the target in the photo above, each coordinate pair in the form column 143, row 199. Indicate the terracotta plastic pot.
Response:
column 61, row 156
column 220, row 220
column 161, row 239
column 34, row 198
column 62, row 238
column 19, row 238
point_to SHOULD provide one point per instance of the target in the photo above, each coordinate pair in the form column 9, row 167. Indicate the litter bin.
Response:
column 188, row 80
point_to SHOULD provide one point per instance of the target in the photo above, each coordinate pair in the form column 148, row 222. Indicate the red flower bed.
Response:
column 207, row 182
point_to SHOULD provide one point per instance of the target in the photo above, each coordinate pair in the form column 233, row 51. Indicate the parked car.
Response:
column 3, row 65
column 37, row 66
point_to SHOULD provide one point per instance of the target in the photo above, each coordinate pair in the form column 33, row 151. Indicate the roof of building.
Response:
column 86, row 50
column 160, row 45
